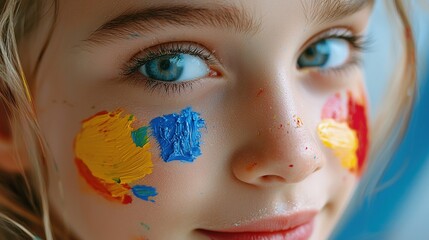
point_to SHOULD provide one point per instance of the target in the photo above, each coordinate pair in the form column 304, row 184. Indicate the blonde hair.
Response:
column 26, row 213
column 28, row 208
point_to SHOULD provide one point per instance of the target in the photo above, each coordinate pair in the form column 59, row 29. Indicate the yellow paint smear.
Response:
column 105, row 145
column 342, row 140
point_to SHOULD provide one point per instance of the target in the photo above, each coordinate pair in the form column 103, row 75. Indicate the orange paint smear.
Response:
column 100, row 186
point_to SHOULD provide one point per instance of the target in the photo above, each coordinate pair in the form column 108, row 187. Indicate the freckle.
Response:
column 306, row 148
column 54, row 101
column 291, row 166
column 92, row 107
column 67, row 103
column 260, row 92
column 281, row 126
column 251, row 166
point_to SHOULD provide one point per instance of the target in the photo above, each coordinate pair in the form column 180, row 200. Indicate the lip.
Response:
column 297, row 226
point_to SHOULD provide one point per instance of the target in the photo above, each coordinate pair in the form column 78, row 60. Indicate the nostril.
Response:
column 272, row 178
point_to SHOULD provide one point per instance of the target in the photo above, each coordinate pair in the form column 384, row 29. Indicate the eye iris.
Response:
column 317, row 55
column 165, row 68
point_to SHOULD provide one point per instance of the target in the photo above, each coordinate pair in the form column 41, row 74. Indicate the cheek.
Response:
column 114, row 158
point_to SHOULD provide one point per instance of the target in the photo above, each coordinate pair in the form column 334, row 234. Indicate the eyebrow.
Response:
column 134, row 24
column 324, row 11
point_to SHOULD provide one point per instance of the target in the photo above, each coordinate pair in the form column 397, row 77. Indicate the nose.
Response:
column 283, row 150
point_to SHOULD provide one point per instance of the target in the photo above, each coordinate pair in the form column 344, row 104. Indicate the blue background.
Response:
column 399, row 209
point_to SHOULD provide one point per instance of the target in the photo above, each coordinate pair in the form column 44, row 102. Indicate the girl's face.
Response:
column 202, row 119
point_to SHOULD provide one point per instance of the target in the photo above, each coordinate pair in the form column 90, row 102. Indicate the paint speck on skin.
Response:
column 134, row 35
column 145, row 226
column 298, row 122
column 146, row 193
column 178, row 135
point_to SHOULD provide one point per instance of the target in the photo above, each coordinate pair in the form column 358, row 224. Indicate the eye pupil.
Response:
column 310, row 53
column 164, row 64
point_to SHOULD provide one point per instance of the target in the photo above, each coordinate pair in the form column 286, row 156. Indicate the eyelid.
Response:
column 156, row 51
column 335, row 32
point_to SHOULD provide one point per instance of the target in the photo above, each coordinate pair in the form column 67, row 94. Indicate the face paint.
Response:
column 178, row 135
column 358, row 121
column 111, row 156
column 144, row 192
column 341, row 139
column 334, row 108
column 345, row 132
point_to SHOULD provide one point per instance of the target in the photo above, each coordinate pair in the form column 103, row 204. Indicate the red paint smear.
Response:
column 333, row 108
column 98, row 184
column 358, row 121
column 97, row 114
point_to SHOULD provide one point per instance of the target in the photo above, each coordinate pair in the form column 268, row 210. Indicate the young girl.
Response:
column 185, row 119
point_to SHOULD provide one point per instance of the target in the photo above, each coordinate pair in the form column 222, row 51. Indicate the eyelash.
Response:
column 131, row 73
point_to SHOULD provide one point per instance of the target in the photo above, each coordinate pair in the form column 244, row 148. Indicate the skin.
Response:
column 251, row 138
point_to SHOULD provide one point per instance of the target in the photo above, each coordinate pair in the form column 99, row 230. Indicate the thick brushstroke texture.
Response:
column 110, row 155
column 140, row 137
column 178, row 135
column 342, row 140
column 338, row 133
column 105, row 146
column 358, row 121
column 144, row 192
column 105, row 189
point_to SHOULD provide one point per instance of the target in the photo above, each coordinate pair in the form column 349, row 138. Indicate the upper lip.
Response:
column 272, row 224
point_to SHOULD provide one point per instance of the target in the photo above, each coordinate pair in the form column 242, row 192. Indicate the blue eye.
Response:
column 178, row 67
column 325, row 54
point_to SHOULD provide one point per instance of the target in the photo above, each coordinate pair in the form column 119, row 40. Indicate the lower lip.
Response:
column 301, row 232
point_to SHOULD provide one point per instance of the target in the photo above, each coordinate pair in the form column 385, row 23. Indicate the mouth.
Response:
column 297, row 226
